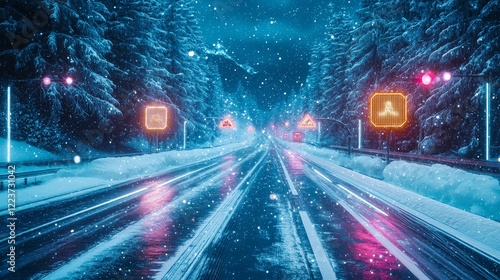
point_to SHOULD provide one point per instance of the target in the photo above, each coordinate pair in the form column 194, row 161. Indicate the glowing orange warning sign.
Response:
column 388, row 109
column 227, row 123
column 156, row 117
column 307, row 122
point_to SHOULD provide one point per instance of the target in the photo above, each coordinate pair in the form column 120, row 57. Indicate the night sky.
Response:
column 274, row 37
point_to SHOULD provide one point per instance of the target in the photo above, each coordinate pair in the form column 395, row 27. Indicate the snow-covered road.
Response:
column 267, row 211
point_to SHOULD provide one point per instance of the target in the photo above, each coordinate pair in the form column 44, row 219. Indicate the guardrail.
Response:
column 468, row 164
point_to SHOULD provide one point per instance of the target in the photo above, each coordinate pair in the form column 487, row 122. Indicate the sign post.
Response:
column 156, row 119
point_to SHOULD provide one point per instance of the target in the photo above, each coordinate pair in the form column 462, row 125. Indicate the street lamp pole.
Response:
column 46, row 81
column 185, row 122
column 8, row 125
column 487, row 121
column 487, row 110
column 359, row 134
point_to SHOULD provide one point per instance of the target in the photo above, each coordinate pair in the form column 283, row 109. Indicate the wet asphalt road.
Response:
column 239, row 216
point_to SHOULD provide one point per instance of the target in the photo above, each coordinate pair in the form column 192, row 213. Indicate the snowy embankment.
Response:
column 21, row 151
column 105, row 172
column 477, row 194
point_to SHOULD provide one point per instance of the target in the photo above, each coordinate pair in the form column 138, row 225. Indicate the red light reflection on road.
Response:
column 294, row 162
column 155, row 199
column 378, row 261
column 156, row 227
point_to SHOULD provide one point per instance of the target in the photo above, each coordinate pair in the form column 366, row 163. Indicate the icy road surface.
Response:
column 264, row 212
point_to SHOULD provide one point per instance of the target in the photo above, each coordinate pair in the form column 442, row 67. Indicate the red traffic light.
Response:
column 427, row 79
column 446, row 76
column 430, row 78
column 46, row 81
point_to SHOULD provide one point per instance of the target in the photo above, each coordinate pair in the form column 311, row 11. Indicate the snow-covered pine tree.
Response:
column 186, row 82
column 134, row 29
column 69, row 43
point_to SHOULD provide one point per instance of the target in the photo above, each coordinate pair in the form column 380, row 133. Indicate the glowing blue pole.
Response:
column 8, row 124
column 319, row 133
column 359, row 134
column 185, row 122
column 487, row 121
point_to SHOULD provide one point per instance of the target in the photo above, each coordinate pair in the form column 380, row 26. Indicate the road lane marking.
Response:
column 321, row 174
column 107, row 202
column 395, row 251
column 287, row 176
column 184, row 175
column 81, row 212
column 364, row 201
column 353, row 194
column 325, row 267
column 183, row 263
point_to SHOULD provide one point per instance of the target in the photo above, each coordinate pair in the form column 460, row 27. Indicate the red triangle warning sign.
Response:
column 227, row 123
column 307, row 122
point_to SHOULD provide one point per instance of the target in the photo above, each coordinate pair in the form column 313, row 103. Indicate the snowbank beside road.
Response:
column 478, row 194
column 121, row 168
column 102, row 173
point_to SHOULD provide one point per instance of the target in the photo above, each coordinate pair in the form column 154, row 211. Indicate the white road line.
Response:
column 321, row 174
column 287, row 176
column 364, row 201
column 325, row 267
column 353, row 194
column 82, row 211
column 105, row 203
column 184, row 175
column 395, row 251
column 190, row 253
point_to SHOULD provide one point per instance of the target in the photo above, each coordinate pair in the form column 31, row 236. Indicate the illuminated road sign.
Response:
column 307, row 122
column 156, row 117
column 297, row 136
column 388, row 109
column 227, row 123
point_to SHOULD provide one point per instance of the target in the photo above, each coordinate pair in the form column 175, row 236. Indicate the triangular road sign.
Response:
column 307, row 122
column 227, row 123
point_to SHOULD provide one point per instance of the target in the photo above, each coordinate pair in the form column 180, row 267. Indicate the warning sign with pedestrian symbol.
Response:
column 156, row 117
column 227, row 123
column 307, row 122
column 388, row 109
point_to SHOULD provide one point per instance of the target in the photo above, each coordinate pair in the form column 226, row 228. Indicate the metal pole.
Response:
column 157, row 142
column 487, row 121
column 8, row 125
column 389, row 137
column 359, row 134
column 185, row 134
column 319, row 133
column 349, row 145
